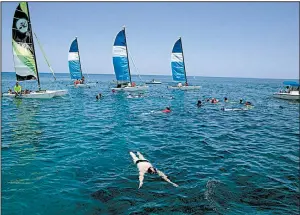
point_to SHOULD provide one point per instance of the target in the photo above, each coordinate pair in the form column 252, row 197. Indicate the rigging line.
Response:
column 44, row 54
column 135, row 66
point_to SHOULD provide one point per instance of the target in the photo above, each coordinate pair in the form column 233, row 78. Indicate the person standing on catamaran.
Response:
column 145, row 166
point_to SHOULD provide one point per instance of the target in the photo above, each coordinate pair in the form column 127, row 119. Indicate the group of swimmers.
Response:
column 81, row 81
column 215, row 101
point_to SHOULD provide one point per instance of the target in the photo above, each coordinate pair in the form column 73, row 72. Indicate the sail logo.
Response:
column 22, row 25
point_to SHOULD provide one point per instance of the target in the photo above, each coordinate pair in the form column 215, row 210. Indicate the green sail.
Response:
column 22, row 43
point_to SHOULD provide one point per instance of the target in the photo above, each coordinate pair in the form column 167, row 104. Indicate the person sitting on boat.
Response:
column 76, row 82
column 133, row 84
column 144, row 166
column 10, row 91
column 186, row 84
column 287, row 89
column 129, row 84
column 179, row 84
column 17, row 88
column 82, row 80
column 199, row 103
column 167, row 110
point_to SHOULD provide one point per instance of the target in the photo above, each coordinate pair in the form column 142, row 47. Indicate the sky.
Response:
column 229, row 39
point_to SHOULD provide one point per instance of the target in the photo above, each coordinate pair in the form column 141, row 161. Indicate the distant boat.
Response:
column 290, row 93
column 121, row 65
column 153, row 82
column 24, row 55
column 178, row 68
column 75, row 65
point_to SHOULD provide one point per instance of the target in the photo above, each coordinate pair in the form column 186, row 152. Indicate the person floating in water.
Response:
column 17, row 89
column 99, row 96
column 144, row 166
column 167, row 110
column 241, row 101
column 214, row 100
column 199, row 103
column 225, row 99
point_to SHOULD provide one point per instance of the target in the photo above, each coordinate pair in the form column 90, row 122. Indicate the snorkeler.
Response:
column 145, row 166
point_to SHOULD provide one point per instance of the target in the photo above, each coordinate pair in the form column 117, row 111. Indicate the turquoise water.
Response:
column 70, row 155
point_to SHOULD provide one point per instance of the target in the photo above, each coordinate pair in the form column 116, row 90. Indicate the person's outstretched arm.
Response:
column 141, row 179
column 161, row 174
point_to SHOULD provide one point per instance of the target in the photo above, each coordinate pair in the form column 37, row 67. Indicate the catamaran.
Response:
column 24, row 55
column 290, row 93
column 121, row 65
column 75, row 65
column 178, row 68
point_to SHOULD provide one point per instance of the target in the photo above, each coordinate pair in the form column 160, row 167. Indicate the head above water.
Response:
column 168, row 108
column 152, row 170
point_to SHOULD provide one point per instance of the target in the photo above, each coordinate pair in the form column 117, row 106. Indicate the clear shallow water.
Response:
column 70, row 155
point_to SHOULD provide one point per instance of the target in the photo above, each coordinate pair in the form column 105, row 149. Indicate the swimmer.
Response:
column 199, row 103
column 248, row 104
column 241, row 101
column 167, row 110
column 144, row 166
column 225, row 99
column 113, row 90
column 99, row 96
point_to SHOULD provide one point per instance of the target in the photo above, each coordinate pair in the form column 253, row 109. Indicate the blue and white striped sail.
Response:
column 74, row 61
column 120, row 59
column 177, row 62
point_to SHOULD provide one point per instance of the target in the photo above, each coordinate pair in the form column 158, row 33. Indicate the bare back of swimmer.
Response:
column 145, row 166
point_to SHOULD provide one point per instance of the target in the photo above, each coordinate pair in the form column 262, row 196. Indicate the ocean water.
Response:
column 71, row 155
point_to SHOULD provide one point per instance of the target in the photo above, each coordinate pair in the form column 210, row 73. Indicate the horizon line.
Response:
column 171, row 75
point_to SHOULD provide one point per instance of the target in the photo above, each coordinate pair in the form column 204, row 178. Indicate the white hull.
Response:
column 184, row 87
column 287, row 96
column 88, row 85
column 131, row 89
column 47, row 94
column 153, row 82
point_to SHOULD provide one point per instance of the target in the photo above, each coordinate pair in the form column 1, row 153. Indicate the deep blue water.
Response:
column 70, row 155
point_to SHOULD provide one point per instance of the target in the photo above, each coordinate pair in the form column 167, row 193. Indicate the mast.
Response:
column 127, row 54
column 37, row 73
column 183, row 60
column 45, row 56
column 79, row 56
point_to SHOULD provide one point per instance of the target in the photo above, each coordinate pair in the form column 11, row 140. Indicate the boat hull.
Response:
column 47, row 94
column 156, row 82
column 287, row 96
column 131, row 89
column 184, row 87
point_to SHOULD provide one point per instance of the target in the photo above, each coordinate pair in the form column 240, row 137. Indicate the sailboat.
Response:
column 178, row 68
column 75, row 65
column 121, row 65
column 24, row 55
